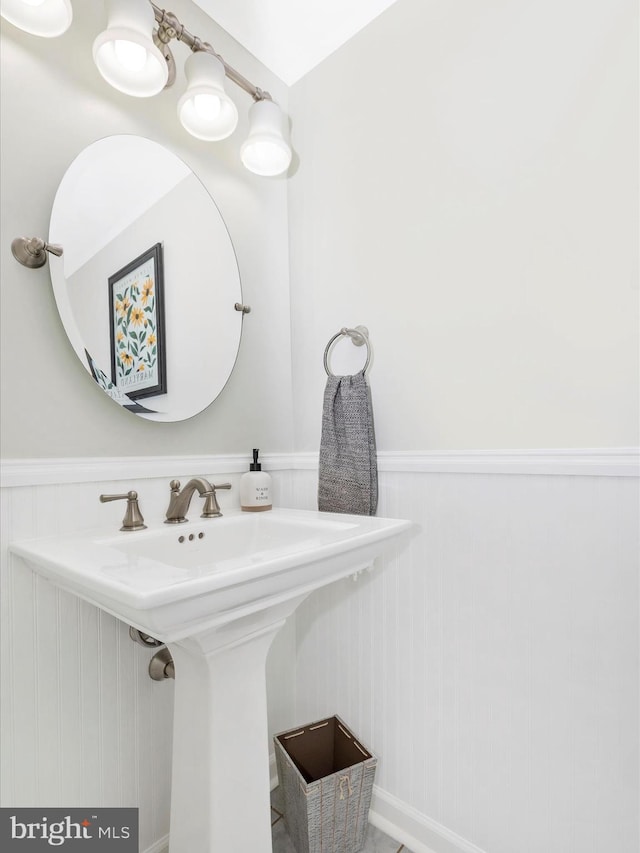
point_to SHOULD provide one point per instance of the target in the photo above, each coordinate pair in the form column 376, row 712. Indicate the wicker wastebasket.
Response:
column 327, row 778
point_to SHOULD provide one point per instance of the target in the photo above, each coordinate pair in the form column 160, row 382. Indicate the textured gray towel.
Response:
column 348, row 476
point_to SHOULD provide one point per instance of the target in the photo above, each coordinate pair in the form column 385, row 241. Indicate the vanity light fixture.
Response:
column 207, row 112
column 47, row 18
column 265, row 151
column 205, row 109
column 133, row 55
column 125, row 53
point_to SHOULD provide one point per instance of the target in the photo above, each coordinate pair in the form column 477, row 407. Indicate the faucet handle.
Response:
column 133, row 519
column 211, row 505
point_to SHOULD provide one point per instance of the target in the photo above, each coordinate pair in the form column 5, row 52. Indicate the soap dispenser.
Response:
column 255, row 488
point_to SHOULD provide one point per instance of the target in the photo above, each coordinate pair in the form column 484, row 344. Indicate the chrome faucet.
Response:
column 180, row 500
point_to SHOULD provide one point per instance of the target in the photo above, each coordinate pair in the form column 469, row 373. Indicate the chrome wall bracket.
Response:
column 170, row 27
column 32, row 251
column 161, row 665
column 165, row 50
column 144, row 639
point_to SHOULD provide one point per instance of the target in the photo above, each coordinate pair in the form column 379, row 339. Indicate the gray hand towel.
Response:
column 348, row 474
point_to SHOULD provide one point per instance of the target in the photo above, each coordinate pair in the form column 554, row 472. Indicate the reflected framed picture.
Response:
column 137, row 328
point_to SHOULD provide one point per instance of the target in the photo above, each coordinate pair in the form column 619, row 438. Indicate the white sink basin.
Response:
column 216, row 591
column 172, row 581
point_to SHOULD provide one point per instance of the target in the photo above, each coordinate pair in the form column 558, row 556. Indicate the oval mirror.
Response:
column 148, row 286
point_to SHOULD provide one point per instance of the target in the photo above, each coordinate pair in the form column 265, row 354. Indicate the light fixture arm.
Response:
column 169, row 27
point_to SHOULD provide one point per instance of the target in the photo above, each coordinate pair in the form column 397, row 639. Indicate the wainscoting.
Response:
column 491, row 661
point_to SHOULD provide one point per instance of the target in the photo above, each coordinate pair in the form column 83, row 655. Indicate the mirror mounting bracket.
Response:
column 32, row 251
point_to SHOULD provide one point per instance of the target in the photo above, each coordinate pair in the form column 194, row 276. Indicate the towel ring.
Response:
column 359, row 336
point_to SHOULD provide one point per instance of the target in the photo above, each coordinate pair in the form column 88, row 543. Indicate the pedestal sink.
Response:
column 216, row 592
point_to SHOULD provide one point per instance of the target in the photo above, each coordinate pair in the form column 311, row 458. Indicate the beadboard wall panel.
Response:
column 491, row 662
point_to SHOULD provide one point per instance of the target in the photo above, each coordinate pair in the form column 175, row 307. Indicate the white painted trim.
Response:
column 597, row 462
column 416, row 831
column 403, row 823
column 160, row 846
column 593, row 462
column 43, row 472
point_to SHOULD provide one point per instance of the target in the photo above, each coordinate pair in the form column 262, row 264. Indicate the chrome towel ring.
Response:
column 359, row 336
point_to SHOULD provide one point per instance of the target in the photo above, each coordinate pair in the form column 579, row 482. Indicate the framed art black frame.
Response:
column 137, row 326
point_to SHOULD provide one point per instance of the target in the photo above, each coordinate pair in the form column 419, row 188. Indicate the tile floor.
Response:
column 376, row 841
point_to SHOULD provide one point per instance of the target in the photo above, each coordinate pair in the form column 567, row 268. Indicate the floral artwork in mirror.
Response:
column 136, row 326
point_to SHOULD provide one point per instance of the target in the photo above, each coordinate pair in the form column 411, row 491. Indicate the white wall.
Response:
column 54, row 103
column 467, row 189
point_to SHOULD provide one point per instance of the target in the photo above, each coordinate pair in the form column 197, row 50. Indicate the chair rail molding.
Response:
column 603, row 462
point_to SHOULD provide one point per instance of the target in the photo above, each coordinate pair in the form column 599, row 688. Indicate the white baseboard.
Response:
column 419, row 833
column 161, row 846
column 406, row 825
column 390, row 815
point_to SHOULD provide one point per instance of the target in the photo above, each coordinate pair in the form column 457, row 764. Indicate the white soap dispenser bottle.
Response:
column 255, row 488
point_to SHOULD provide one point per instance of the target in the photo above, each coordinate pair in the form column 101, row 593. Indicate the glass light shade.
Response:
column 266, row 151
column 125, row 53
column 205, row 109
column 47, row 18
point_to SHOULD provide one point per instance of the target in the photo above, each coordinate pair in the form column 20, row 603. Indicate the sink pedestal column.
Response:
column 220, row 790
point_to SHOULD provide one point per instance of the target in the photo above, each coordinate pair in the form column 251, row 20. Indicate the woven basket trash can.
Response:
column 327, row 777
